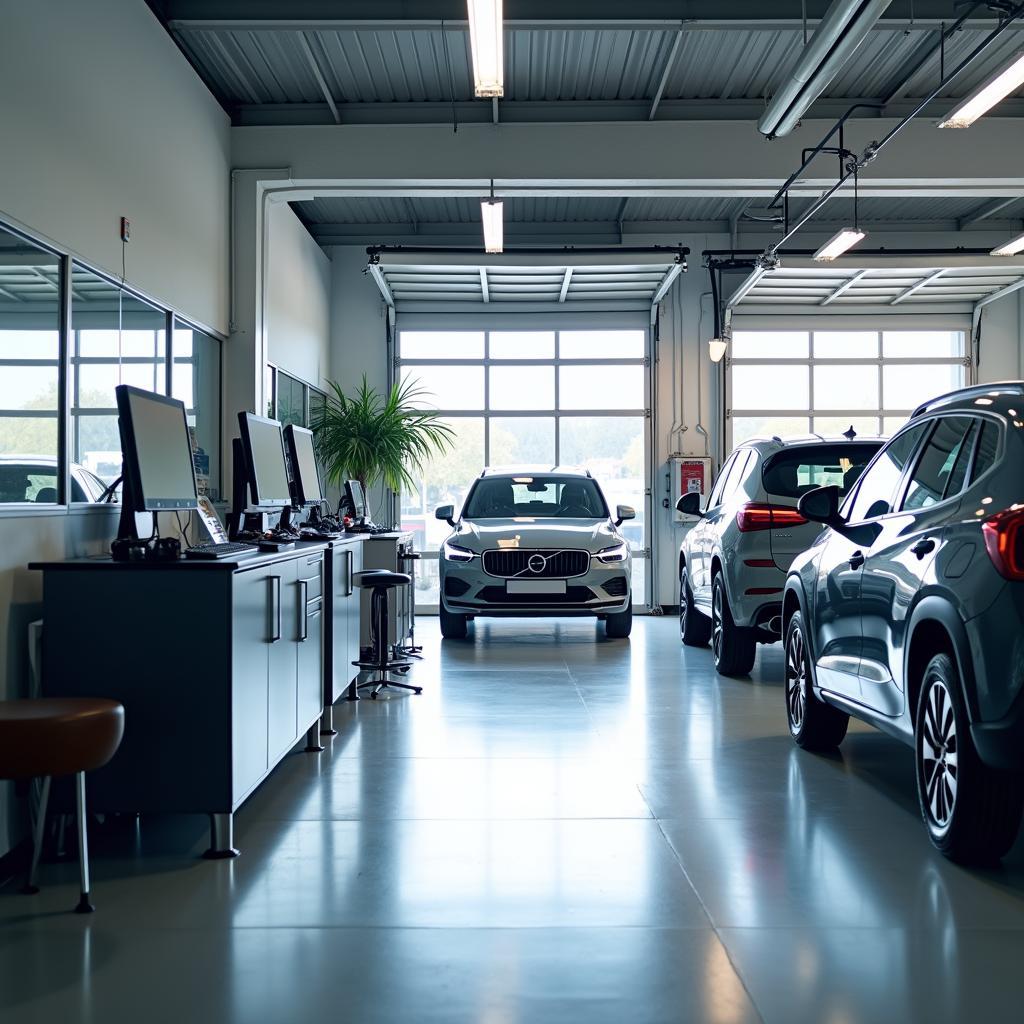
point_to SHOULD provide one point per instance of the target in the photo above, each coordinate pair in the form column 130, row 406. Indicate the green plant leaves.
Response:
column 374, row 438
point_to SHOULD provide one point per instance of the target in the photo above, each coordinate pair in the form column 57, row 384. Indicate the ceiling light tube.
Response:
column 1010, row 248
column 492, row 214
column 839, row 243
column 487, row 45
column 987, row 95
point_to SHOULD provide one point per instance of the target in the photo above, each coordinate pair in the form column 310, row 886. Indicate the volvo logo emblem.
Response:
column 536, row 563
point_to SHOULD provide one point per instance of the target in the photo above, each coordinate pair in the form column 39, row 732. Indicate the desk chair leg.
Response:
column 84, row 906
column 37, row 838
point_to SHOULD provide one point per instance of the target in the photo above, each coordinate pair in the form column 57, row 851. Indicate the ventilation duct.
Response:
column 843, row 28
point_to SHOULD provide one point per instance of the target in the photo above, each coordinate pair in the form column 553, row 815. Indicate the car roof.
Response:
column 500, row 471
column 777, row 444
column 998, row 396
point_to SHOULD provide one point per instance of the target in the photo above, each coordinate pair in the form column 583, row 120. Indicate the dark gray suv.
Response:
column 909, row 613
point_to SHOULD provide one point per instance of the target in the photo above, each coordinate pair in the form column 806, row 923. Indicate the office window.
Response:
column 195, row 380
column 292, row 400
column 29, row 371
column 798, row 382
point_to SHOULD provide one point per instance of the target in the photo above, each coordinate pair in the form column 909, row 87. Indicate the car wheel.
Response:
column 694, row 628
column 814, row 724
column 734, row 647
column 619, row 625
column 972, row 812
column 453, row 626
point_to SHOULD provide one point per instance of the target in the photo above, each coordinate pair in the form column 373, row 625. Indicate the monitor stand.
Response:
column 131, row 543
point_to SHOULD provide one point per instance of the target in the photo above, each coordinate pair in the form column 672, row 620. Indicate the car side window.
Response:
column 736, row 474
column 931, row 475
column 963, row 460
column 988, row 446
column 877, row 487
column 716, row 492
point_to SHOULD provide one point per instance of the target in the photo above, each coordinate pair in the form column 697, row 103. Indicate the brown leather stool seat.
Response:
column 59, row 736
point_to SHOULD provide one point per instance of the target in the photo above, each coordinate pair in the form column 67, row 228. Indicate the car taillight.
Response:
column 756, row 516
column 1004, row 541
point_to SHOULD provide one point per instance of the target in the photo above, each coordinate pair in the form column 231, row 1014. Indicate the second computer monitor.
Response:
column 263, row 445
column 306, row 488
column 355, row 498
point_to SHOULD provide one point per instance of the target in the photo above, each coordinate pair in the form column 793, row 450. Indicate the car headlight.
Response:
column 614, row 554
column 453, row 553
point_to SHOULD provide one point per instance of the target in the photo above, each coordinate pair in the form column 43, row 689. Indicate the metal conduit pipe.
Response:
column 840, row 32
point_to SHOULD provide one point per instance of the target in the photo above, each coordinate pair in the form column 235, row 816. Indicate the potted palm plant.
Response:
column 375, row 438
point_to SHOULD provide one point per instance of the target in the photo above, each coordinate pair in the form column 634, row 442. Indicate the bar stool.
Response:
column 59, row 736
column 380, row 581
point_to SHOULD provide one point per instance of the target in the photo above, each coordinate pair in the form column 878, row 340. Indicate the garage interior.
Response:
column 561, row 826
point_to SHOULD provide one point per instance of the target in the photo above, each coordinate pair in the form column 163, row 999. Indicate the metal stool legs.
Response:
column 84, row 906
column 37, row 839
column 382, row 663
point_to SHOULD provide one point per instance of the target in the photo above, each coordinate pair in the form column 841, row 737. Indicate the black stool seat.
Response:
column 372, row 578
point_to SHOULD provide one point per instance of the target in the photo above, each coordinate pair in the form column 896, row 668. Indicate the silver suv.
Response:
column 538, row 544
column 733, row 563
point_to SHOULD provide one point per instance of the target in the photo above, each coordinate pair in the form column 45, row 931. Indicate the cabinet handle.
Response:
column 303, row 611
column 350, row 572
column 275, row 608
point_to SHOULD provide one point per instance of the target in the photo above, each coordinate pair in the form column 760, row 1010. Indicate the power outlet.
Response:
column 126, row 229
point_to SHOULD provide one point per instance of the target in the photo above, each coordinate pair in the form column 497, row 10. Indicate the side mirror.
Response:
column 689, row 504
column 821, row 505
column 624, row 512
column 446, row 513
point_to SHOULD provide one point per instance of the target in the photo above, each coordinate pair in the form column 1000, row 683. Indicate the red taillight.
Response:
column 1002, row 533
column 754, row 516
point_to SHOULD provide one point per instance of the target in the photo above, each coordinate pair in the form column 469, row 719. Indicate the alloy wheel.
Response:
column 716, row 621
column 796, row 681
column 939, row 754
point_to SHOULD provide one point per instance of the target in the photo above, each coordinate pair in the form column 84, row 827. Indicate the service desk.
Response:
column 395, row 552
column 219, row 665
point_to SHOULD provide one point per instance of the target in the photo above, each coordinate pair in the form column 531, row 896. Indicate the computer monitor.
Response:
column 306, row 488
column 159, row 472
column 263, row 453
column 355, row 498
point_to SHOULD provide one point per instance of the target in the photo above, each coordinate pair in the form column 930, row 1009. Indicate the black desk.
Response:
column 219, row 665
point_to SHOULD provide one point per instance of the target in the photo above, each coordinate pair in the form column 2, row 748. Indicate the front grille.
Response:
column 572, row 595
column 548, row 563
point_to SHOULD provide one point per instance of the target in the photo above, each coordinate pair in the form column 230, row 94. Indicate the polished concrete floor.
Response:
column 561, row 828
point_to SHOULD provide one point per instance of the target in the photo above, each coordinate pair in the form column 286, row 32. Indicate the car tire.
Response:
column 694, row 628
column 734, row 647
column 453, row 625
column 619, row 625
column 972, row 812
column 813, row 724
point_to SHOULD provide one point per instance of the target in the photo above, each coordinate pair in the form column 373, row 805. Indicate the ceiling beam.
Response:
column 915, row 288
column 666, row 282
column 319, row 76
column 565, row 284
column 485, row 291
column 670, row 63
column 986, row 211
column 843, row 288
column 378, row 275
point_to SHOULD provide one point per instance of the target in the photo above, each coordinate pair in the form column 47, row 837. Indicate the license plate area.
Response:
column 535, row 586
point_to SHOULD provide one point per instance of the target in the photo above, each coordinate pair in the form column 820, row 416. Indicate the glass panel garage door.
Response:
column 539, row 398
column 795, row 382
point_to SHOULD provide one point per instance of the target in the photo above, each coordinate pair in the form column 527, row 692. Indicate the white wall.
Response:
column 298, row 300
column 103, row 117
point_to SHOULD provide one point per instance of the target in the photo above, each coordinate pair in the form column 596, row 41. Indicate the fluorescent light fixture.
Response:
column 845, row 239
column 987, row 95
column 487, row 44
column 1010, row 248
column 491, row 211
column 716, row 349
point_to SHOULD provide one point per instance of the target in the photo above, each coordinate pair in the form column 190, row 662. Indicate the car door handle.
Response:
column 923, row 547
column 856, row 559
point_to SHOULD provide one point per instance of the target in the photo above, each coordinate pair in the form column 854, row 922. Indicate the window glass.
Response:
column 934, row 468
column 601, row 344
column 768, row 386
column 601, row 387
column 723, row 476
column 770, row 345
column 922, row 344
column 793, row 473
column 906, row 386
column 746, row 427
column 196, row 382
column 522, row 387
column 737, row 474
column 448, row 387
column 988, row 446
column 845, row 344
column 836, row 426
column 963, row 460
column 845, row 387
column 522, row 345
column 442, row 344
column 536, row 496
column 877, row 488
column 29, row 350
column 522, row 441
column 116, row 339
column 291, row 400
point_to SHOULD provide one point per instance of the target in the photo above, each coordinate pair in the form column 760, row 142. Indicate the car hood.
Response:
column 591, row 535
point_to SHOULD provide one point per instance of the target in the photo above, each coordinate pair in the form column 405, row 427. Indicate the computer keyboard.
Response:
column 224, row 550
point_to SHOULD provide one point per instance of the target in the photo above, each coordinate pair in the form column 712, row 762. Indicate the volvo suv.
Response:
column 908, row 613
column 537, row 544
column 733, row 563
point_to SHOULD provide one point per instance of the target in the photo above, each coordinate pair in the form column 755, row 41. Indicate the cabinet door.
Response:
column 311, row 665
column 355, row 607
column 282, row 581
column 250, row 636
column 341, row 626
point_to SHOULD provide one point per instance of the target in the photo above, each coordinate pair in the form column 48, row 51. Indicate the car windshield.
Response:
column 793, row 473
column 555, row 497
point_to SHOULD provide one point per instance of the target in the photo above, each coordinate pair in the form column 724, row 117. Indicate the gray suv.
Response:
column 907, row 614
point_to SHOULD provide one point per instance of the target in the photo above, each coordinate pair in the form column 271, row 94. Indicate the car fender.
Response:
column 937, row 607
